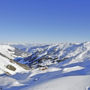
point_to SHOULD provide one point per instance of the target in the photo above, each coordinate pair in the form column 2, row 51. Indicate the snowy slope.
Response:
column 65, row 83
column 7, row 50
column 64, row 66
column 7, row 64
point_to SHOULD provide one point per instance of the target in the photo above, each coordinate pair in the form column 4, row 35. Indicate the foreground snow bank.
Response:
column 65, row 83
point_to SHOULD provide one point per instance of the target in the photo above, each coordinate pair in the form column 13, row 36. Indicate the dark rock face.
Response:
column 23, row 66
column 36, row 60
column 10, row 67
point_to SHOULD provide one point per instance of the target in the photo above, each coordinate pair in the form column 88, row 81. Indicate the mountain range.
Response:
column 63, row 66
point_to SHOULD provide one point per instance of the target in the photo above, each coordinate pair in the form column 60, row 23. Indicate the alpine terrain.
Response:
column 63, row 66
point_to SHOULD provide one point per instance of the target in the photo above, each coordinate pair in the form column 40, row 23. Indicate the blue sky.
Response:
column 44, row 21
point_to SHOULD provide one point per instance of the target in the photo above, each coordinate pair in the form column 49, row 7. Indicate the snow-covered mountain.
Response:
column 64, row 66
column 7, row 63
column 45, row 55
